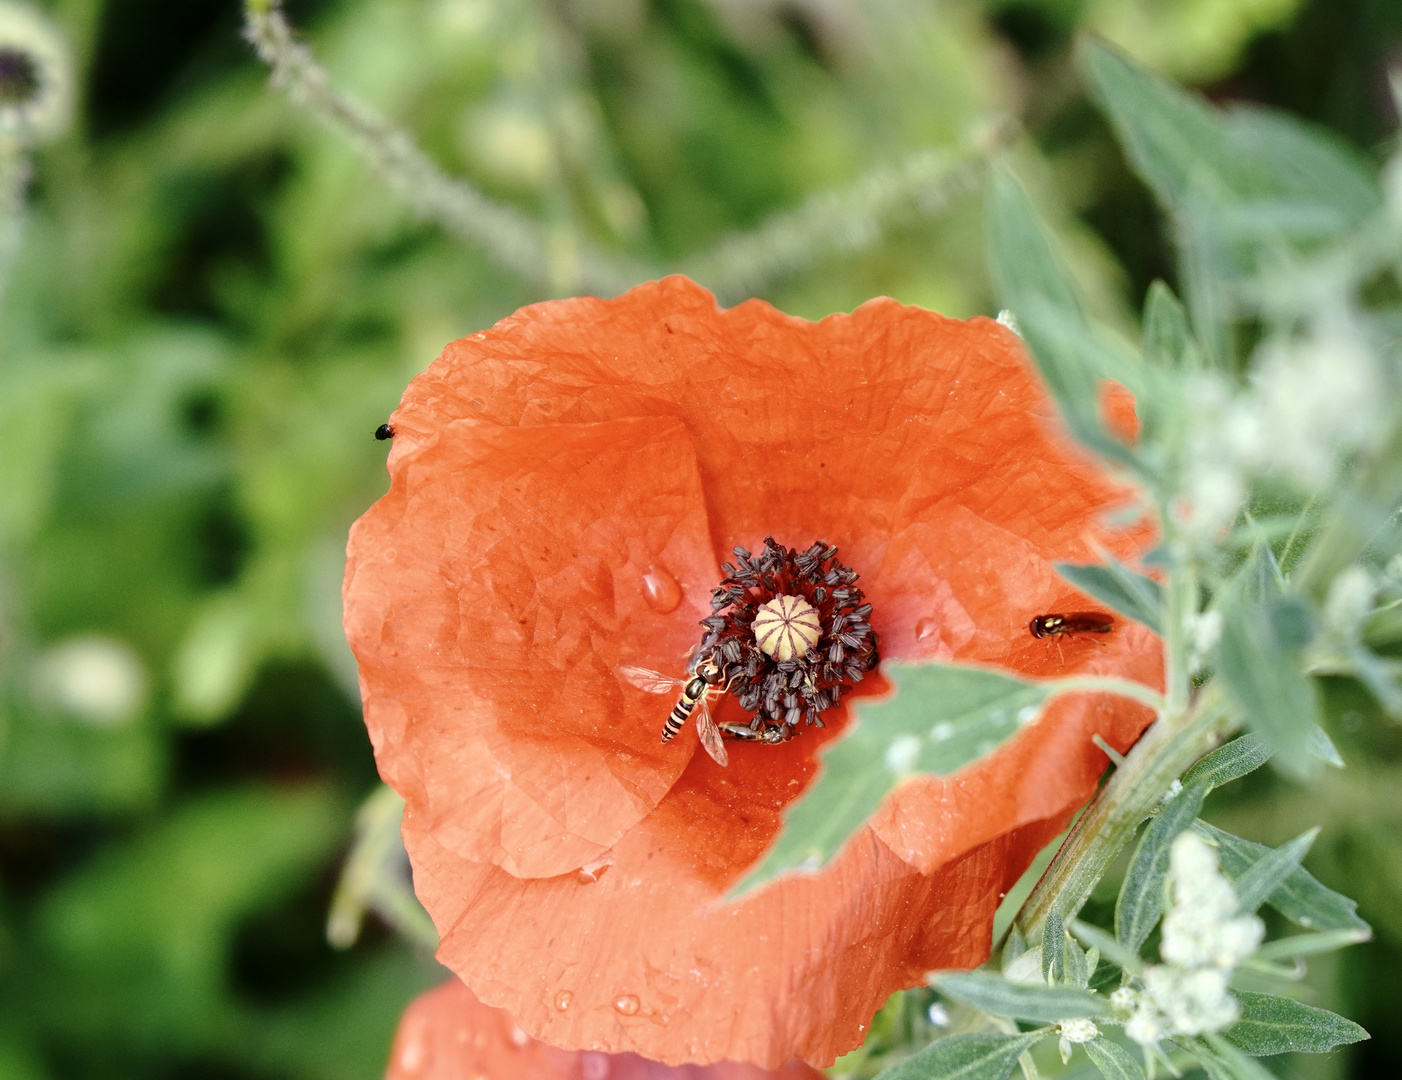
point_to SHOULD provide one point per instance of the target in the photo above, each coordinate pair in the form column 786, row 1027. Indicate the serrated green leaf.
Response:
column 1140, row 903
column 1113, row 1060
column 939, row 719
column 1168, row 340
column 1300, row 897
column 1132, row 595
column 1229, row 762
column 1277, row 1025
column 964, row 1057
column 1263, row 676
column 1268, row 872
column 995, row 995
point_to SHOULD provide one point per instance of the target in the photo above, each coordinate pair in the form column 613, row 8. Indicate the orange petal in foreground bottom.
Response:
column 447, row 1034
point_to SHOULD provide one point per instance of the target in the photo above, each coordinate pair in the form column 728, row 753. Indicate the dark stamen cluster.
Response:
column 783, row 692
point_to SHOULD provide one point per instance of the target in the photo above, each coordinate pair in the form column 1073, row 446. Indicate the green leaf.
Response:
column 1268, row 872
column 1113, row 583
column 1309, row 944
column 1140, row 903
column 1259, row 662
column 1168, row 340
column 1054, row 947
column 1277, row 1025
column 1109, row 946
column 1299, row 897
column 1113, row 1060
column 1237, row 1064
column 1242, row 187
column 1032, row 282
column 939, row 719
column 1074, row 957
column 1229, row 762
column 995, row 995
column 964, row 1057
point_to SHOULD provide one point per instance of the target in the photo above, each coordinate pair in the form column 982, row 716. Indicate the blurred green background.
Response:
column 216, row 302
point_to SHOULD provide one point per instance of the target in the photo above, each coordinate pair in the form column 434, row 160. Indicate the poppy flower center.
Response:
column 786, row 628
column 791, row 633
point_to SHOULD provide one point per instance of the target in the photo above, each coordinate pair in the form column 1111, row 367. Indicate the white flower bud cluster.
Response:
column 1204, row 630
column 1074, row 1033
column 1311, row 397
column 1203, row 940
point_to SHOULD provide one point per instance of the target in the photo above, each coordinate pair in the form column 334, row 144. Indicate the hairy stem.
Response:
column 511, row 238
column 1167, row 749
column 558, row 260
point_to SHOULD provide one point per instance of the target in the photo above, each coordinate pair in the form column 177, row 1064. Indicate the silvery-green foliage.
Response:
column 1273, row 463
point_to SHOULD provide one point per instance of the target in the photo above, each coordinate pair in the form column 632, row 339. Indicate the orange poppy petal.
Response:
column 492, row 596
column 447, row 1034
column 540, row 472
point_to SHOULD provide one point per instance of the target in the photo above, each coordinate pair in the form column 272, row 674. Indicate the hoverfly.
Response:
column 1072, row 622
column 704, row 680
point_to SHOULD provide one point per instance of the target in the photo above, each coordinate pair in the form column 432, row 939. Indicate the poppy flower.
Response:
column 447, row 1034
column 566, row 491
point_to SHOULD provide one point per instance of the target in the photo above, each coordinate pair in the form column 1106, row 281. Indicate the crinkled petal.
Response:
column 539, row 471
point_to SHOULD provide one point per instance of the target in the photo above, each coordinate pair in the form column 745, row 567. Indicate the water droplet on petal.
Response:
column 661, row 591
column 563, row 999
column 925, row 629
column 627, row 1004
column 594, row 1066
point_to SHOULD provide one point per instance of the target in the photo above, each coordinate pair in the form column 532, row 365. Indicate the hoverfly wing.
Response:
column 710, row 733
column 654, row 682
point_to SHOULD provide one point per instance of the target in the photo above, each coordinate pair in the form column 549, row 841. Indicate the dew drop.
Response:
column 594, row 1066
column 563, row 999
column 627, row 1004
column 925, row 629
column 661, row 591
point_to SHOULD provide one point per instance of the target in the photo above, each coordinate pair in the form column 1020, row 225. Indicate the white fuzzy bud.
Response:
column 1074, row 1033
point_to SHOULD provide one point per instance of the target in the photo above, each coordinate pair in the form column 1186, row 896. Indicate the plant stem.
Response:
column 1168, row 748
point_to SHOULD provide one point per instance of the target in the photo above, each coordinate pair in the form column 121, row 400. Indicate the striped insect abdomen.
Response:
column 692, row 692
